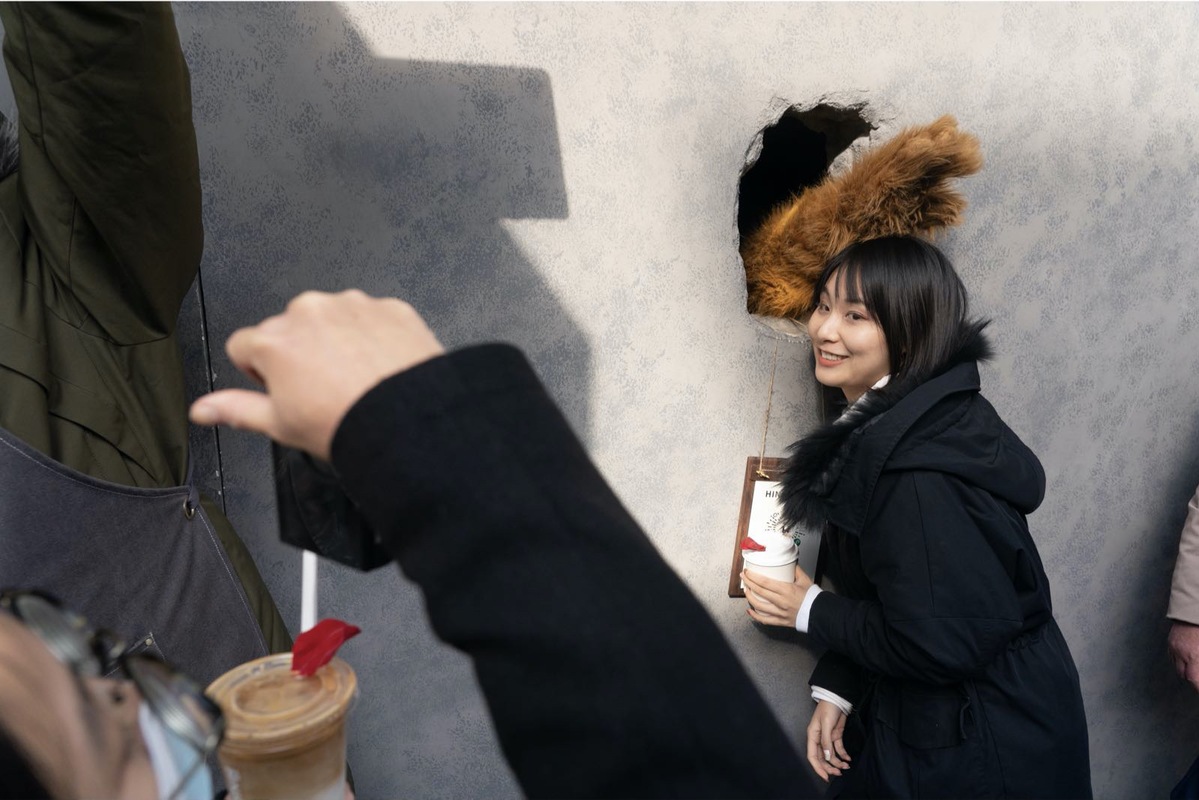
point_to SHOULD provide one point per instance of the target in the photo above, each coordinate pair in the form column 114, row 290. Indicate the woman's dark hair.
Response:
column 17, row 777
column 909, row 287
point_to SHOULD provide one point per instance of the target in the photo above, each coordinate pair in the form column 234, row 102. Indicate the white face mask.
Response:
column 172, row 759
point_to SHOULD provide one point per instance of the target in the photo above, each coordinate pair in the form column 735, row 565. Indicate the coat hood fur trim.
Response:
column 816, row 462
column 900, row 188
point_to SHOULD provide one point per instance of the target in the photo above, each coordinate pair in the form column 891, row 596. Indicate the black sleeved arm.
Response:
column 604, row 675
column 946, row 608
column 838, row 674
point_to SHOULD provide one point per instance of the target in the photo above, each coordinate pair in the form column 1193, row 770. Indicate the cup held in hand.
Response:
column 285, row 734
column 779, row 566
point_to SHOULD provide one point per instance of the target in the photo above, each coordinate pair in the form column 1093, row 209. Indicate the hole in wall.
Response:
column 796, row 153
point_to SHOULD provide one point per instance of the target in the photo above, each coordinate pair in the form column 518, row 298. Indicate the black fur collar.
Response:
column 817, row 460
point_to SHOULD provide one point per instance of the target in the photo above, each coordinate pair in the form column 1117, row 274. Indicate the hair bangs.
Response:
column 842, row 277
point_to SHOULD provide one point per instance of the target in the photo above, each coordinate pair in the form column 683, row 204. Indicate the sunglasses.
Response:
column 176, row 700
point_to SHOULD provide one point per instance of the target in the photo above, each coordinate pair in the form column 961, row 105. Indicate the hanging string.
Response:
column 769, row 400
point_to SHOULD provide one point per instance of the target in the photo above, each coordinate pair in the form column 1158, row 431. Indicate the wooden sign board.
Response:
column 770, row 471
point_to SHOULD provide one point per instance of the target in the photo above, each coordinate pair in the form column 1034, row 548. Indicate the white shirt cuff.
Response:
column 840, row 702
column 805, row 609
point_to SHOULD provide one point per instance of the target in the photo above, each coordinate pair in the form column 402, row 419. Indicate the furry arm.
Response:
column 900, row 188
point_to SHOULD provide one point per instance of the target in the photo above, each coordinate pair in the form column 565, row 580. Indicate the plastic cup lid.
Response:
column 270, row 709
column 761, row 559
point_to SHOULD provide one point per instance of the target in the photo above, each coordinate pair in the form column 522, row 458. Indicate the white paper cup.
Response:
column 768, row 566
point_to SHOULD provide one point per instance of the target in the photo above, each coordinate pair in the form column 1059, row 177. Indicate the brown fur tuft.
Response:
column 900, row 188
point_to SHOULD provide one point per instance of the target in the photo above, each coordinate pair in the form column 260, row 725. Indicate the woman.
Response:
column 946, row 674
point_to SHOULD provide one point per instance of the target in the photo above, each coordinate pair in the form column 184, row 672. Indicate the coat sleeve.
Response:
column 1184, row 588
column 109, row 172
column 838, row 674
column 946, row 606
column 603, row 674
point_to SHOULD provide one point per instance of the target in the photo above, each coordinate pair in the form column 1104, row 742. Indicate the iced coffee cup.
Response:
column 285, row 735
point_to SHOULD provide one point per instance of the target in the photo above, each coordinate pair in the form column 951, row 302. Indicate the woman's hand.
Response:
column 826, row 749
column 1184, row 650
column 774, row 602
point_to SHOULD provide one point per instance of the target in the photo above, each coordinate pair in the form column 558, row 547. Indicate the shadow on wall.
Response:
column 325, row 167
column 384, row 174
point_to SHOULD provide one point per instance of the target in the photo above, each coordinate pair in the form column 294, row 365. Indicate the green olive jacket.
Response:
column 101, row 239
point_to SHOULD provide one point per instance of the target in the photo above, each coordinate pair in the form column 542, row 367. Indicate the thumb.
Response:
column 1191, row 673
column 237, row 408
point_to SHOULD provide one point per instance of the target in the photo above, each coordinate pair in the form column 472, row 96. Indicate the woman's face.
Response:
column 851, row 351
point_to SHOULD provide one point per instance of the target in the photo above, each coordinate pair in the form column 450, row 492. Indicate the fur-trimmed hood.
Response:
column 832, row 472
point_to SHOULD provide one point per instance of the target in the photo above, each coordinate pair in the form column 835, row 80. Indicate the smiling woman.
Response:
column 945, row 673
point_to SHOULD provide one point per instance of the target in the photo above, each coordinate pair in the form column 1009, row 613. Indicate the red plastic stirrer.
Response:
column 316, row 646
column 749, row 544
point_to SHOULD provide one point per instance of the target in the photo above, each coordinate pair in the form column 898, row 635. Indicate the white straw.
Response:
column 308, row 591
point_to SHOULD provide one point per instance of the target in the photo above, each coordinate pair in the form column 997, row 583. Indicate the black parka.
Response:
column 941, row 631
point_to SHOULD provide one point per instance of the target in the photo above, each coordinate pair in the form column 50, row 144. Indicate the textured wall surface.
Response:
column 565, row 177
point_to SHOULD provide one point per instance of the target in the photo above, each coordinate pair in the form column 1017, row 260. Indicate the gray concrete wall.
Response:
column 565, row 177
